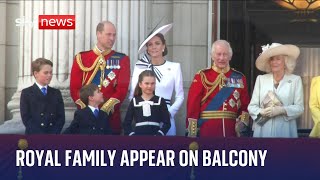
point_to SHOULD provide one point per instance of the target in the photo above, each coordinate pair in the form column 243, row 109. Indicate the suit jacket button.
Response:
column 41, row 114
column 93, row 128
column 52, row 114
column 42, row 124
column 101, row 128
column 50, row 124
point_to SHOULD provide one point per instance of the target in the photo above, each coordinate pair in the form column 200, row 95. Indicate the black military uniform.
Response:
column 85, row 122
column 42, row 114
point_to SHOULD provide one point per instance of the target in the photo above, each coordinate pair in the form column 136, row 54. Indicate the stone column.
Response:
column 60, row 46
column 3, row 7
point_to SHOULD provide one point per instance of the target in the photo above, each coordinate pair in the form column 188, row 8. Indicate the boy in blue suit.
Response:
column 41, row 106
column 90, row 120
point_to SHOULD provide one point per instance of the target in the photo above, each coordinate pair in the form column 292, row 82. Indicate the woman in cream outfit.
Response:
column 314, row 104
column 168, row 74
column 279, row 62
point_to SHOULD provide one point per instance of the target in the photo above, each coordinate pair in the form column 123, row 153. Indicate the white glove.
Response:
column 266, row 112
column 277, row 110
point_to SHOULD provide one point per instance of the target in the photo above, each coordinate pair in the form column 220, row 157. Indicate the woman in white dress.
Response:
column 168, row 74
column 277, row 99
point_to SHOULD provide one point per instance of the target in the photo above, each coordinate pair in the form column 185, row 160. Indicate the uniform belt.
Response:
column 218, row 115
column 148, row 123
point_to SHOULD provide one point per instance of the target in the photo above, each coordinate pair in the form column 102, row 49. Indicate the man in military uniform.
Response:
column 218, row 97
column 108, row 69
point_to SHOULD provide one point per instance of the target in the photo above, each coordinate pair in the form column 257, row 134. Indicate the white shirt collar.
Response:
column 92, row 108
column 40, row 87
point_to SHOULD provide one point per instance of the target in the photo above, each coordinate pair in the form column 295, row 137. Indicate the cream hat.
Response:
column 268, row 51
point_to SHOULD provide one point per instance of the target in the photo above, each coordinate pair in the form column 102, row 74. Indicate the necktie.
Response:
column 96, row 113
column 44, row 91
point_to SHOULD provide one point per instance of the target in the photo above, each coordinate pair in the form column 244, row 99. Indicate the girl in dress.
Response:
column 147, row 109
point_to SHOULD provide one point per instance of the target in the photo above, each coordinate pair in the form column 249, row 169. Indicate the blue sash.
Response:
column 219, row 98
column 112, row 62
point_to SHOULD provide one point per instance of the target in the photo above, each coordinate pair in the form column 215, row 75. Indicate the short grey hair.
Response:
column 224, row 43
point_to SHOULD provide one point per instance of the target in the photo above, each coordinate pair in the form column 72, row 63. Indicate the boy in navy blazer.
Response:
column 90, row 120
column 41, row 106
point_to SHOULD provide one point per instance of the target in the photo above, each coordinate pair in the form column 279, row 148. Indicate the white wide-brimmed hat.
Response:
column 268, row 51
column 163, row 30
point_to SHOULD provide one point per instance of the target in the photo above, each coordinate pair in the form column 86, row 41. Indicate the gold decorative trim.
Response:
column 192, row 127
column 93, row 74
column 237, row 71
column 86, row 69
column 211, row 86
column 218, row 115
column 80, row 103
column 98, row 52
column 244, row 117
column 99, row 62
column 218, row 70
column 109, row 105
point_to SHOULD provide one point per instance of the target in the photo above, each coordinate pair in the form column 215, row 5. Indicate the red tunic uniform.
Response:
column 110, row 71
column 219, row 121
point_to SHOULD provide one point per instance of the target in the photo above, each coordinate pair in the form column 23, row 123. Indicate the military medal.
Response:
column 110, row 64
column 114, row 64
column 241, row 83
column 232, row 103
column 118, row 66
column 105, row 83
column 239, row 103
column 111, row 75
column 227, row 82
column 107, row 66
column 236, row 94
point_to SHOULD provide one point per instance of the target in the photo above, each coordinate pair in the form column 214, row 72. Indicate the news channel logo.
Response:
column 48, row 22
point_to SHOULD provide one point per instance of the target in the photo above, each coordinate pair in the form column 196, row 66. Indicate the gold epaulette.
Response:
column 80, row 103
column 237, row 71
column 109, row 105
column 202, row 70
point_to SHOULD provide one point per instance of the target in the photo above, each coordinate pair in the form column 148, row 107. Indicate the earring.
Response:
column 162, row 50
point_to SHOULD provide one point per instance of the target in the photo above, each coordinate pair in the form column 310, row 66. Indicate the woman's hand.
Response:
column 277, row 110
column 266, row 112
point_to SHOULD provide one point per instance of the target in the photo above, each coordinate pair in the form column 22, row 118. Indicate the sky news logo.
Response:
column 49, row 22
column 57, row 22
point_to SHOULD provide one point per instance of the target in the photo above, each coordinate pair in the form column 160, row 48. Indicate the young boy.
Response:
column 90, row 120
column 41, row 106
